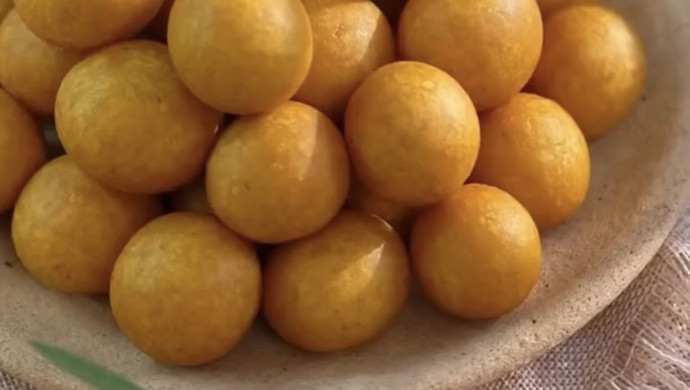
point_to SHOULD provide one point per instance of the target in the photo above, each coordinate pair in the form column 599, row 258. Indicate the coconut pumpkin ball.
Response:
column 126, row 119
column 535, row 151
column 30, row 68
column 278, row 176
column 22, row 149
column 68, row 230
column 243, row 56
column 352, row 38
column 593, row 65
column 412, row 133
column 186, row 289
column 339, row 288
column 477, row 254
column 490, row 47
column 86, row 24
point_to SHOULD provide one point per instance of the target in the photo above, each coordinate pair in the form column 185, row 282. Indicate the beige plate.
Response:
column 639, row 186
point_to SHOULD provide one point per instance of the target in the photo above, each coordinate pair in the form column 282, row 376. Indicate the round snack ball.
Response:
column 477, row 254
column 593, row 65
column 5, row 7
column 412, row 133
column 185, row 289
column 340, row 288
column 535, row 151
column 548, row 7
column 22, row 149
column 68, row 230
column 398, row 216
column 192, row 197
column 278, row 176
column 490, row 47
column 241, row 56
column 127, row 119
column 86, row 24
column 352, row 39
column 30, row 68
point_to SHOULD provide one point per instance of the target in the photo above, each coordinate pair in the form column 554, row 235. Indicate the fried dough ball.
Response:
column 593, row 65
column 86, row 24
column 68, row 230
column 412, row 133
column 477, row 254
column 490, row 47
column 186, row 289
column 339, row 288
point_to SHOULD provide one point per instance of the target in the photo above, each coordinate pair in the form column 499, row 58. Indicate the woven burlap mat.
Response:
column 642, row 341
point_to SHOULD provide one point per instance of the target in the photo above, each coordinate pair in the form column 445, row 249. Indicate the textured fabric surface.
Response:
column 641, row 341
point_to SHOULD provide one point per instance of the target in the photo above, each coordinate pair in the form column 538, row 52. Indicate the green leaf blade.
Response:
column 88, row 372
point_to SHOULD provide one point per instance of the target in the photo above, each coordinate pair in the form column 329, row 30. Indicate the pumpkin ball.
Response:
column 338, row 289
column 22, row 149
column 242, row 56
column 412, row 133
column 593, row 65
column 30, row 68
column 535, row 151
column 278, row 176
column 477, row 254
column 86, row 24
column 126, row 119
column 68, row 230
column 192, row 197
column 185, row 289
column 490, row 47
column 548, row 7
column 352, row 39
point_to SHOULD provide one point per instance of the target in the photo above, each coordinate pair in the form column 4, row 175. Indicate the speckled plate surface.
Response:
column 640, row 183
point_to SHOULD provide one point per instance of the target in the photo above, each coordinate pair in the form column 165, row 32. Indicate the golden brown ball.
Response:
column 412, row 133
column 593, row 65
column 186, row 289
column 22, row 149
column 278, row 176
column 535, row 151
column 352, row 39
column 192, row 197
column 68, row 230
column 126, row 119
column 548, row 7
column 30, row 68
column 242, row 56
column 490, row 47
column 477, row 254
column 86, row 24
column 340, row 288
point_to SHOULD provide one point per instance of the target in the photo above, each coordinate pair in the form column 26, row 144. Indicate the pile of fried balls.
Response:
column 303, row 160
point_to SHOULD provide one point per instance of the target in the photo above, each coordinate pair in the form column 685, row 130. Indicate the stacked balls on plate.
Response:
column 305, row 160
